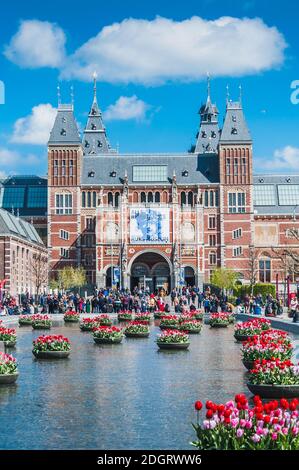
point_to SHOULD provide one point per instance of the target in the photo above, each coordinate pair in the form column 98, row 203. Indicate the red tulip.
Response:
column 198, row 405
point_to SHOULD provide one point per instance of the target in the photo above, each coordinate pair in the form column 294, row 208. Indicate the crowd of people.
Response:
column 139, row 300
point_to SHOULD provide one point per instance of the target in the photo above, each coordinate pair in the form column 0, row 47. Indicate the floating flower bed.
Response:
column 51, row 346
column 237, row 426
column 173, row 339
column 245, row 330
column 219, row 320
column 195, row 314
column 107, row 335
column 274, row 379
column 88, row 324
column 269, row 345
column 41, row 322
column 71, row 317
column 124, row 316
column 137, row 329
column 25, row 320
column 8, row 369
column 143, row 317
column 103, row 320
column 169, row 322
column 8, row 336
column 191, row 326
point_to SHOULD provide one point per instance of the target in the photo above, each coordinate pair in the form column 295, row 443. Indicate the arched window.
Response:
column 83, row 199
column 150, row 197
column 212, row 258
column 212, row 203
column 94, row 199
column 190, row 198
column 143, row 197
column 157, row 196
column 89, row 199
column 206, row 198
column 110, row 199
column 183, row 198
column 116, row 200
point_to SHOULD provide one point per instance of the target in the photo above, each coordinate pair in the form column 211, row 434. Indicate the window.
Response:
column 236, row 166
column 150, row 173
column 83, row 199
column 237, row 233
column 64, row 235
column 228, row 166
column 157, row 197
column 55, row 167
column 64, row 253
column 37, row 196
column 265, row 270
column 212, row 258
column 63, row 168
column 94, row 199
column 183, row 199
column 143, row 197
column 237, row 251
column 89, row 199
column 243, row 166
column 64, row 204
column 288, row 194
column 13, row 197
column 212, row 222
column 190, row 198
column 150, row 197
column 110, row 199
column 264, row 195
column 90, row 223
column 212, row 240
column 71, row 167
column 236, row 203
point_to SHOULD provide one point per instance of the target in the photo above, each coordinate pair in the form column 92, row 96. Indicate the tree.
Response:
column 70, row 277
column 39, row 269
column 253, row 267
column 224, row 278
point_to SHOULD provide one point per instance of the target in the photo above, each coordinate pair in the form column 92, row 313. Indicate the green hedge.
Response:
column 263, row 289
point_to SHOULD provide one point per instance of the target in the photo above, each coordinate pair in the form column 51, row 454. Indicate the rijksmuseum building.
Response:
column 162, row 220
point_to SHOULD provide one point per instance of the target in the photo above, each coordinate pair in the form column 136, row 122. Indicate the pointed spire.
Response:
column 208, row 86
column 240, row 94
column 208, row 134
column 72, row 96
column 95, row 76
column 227, row 94
column 58, row 95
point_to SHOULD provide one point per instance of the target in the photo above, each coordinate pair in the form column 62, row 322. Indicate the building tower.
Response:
column 95, row 139
column 64, row 202
column 236, row 202
column 208, row 134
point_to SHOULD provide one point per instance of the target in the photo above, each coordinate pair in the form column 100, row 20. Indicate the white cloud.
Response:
column 125, row 108
column 285, row 159
column 152, row 52
column 12, row 160
column 34, row 128
column 37, row 44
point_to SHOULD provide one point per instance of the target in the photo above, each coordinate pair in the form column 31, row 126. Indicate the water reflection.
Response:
column 130, row 395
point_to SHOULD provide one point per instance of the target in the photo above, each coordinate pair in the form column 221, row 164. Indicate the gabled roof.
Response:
column 14, row 226
column 235, row 128
column 65, row 130
column 99, row 170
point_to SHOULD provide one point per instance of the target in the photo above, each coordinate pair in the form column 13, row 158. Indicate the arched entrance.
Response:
column 189, row 276
column 152, row 271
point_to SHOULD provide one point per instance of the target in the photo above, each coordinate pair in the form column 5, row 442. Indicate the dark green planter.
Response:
column 173, row 345
column 274, row 391
column 87, row 328
column 219, row 325
column 242, row 337
column 192, row 332
column 248, row 364
column 121, row 318
column 107, row 341
column 170, row 327
column 25, row 322
column 41, row 327
column 137, row 335
column 71, row 320
column 51, row 354
column 6, row 379
column 10, row 344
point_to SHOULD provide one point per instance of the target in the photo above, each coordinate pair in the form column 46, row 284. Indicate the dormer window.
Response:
column 63, row 132
column 87, row 144
column 234, row 118
column 203, row 134
column 93, row 111
column 91, row 174
column 93, row 126
column 213, row 134
column 185, row 173
column 113, row 174
column 100, row 144
column 63, row 119
column 234, row 130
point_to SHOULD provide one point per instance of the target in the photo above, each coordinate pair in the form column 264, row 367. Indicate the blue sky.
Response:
column 151, row 71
